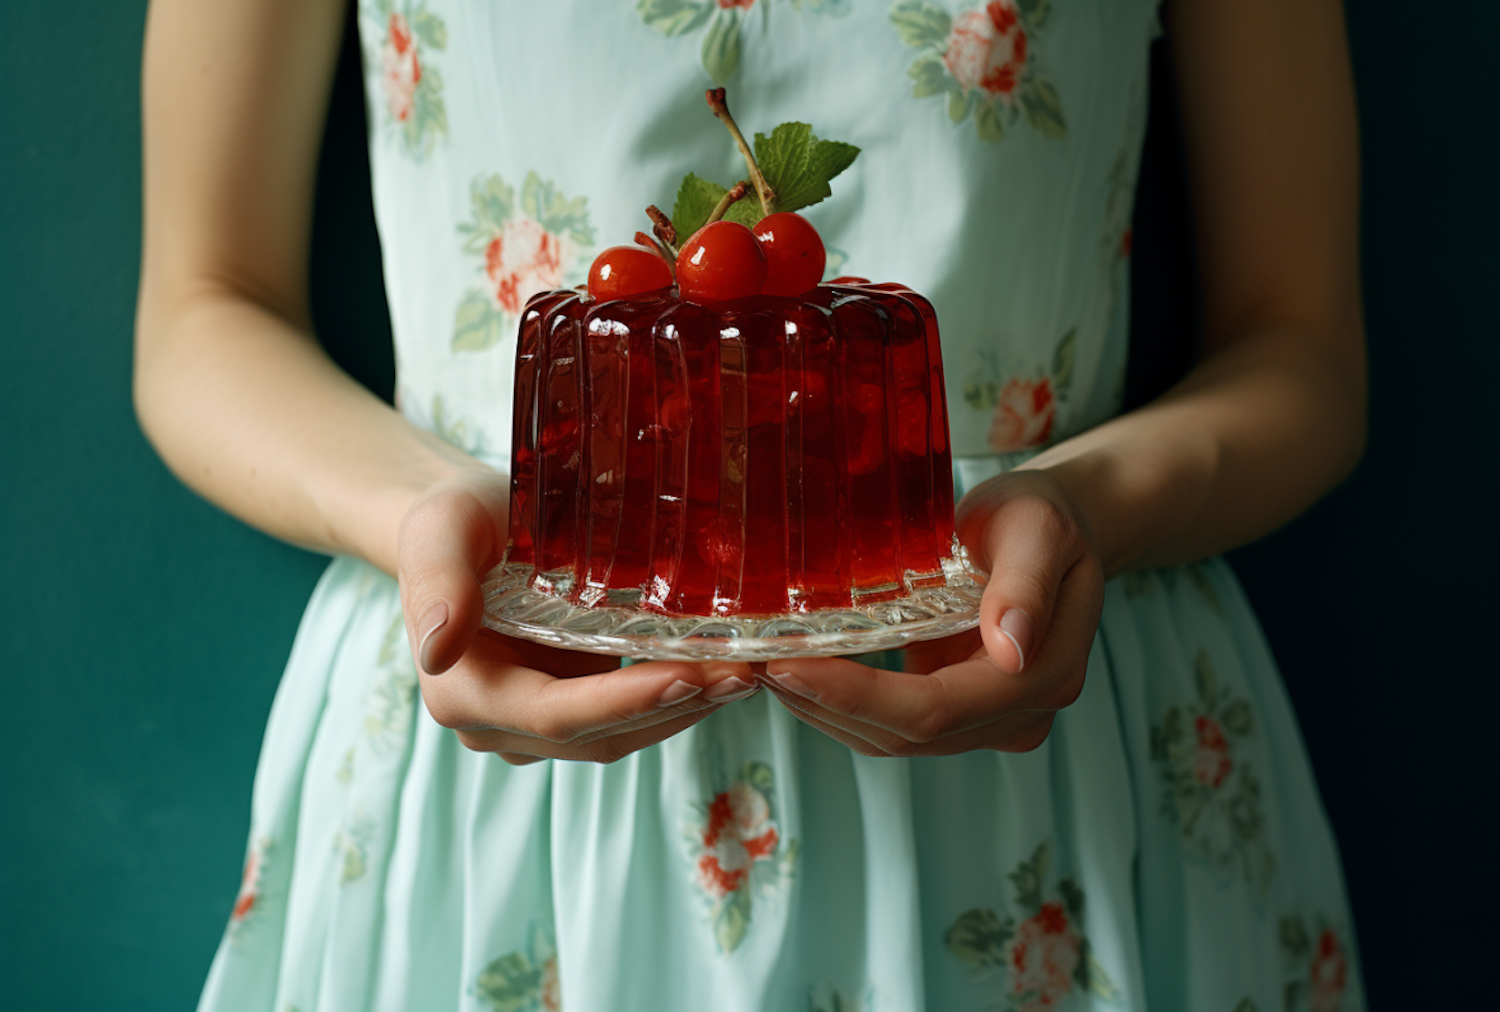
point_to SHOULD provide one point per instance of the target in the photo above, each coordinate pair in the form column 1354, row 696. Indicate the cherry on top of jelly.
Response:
column 722, row 261
column 795, row 257
column 622, row 271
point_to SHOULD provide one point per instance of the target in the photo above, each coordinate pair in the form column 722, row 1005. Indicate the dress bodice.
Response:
column 511, row 141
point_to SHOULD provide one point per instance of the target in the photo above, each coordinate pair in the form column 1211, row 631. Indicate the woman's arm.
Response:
column 1274, row 415
column 234, row 391
column 1271, row 418
column 231, row 386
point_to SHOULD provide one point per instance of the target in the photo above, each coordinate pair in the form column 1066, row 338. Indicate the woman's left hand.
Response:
column 996, row 687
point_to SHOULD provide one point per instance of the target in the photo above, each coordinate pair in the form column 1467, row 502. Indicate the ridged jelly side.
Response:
column 767, row 456
column 525, row 415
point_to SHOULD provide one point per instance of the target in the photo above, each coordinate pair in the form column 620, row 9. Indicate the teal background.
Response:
column 144, row 631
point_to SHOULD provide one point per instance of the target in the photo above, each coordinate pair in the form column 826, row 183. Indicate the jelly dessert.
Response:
column 708, row 430
column 775, row 454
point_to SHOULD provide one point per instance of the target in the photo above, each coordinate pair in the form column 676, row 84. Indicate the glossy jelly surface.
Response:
column 767, row 456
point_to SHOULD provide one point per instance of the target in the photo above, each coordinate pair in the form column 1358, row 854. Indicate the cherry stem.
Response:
column 656, row 246
column 736, row 191
column 763, row 189
column 666, row 233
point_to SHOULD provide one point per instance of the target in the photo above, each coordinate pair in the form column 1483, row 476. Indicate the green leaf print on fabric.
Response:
column 1315, row 960
column 456, row 431
column 410, row 83
column 1044, row 956
column 1062, row 362
column 721, row 46
column 724, row 21
column 921, row 24
column 528, row 245
column 1144, row 582
column 674, row 17
column 984, row 60
column 1210, row 791
column 1023, row 410
column 738, row 851
column 523, row 981
column 826, row 998
column 978, row 938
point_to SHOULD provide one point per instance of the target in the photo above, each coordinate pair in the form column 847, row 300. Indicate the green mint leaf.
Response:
column 696, row 200
column 798, row 166
column 746, row 210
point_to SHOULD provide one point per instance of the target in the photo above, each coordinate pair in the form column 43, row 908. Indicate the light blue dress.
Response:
column 1165, row 848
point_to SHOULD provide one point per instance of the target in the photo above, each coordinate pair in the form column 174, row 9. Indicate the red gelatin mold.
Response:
column 759, row 478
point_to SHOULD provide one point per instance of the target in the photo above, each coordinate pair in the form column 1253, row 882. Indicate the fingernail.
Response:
column 730, row 689
column 432, row 620
column 1016, row 625
column 677, row 692
column 791, row 683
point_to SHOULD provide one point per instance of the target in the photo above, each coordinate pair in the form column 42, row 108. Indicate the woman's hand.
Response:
column 522, row 700
column 999, row 686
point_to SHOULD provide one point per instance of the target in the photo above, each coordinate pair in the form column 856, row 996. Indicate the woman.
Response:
column 1100, row 797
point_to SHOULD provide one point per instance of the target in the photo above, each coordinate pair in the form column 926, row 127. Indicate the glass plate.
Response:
column 930, row 606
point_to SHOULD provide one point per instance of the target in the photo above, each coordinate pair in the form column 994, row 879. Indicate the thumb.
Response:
column 447, row 543
column 1028, row 543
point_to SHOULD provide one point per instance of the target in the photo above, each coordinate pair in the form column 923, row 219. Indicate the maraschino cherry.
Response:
column 622, row 271
column 794, row 254
column 722, row 261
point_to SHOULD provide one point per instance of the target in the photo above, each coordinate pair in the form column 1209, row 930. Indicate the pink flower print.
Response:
column 742, row 4
column 249, row 887
column 987, row 50
column 549, row 991
column 1211, row 762
column 1043, row 957
column 521, row 261
column 1328, row 975
column 400, row 72
column 1023, row 415
column 739, row 833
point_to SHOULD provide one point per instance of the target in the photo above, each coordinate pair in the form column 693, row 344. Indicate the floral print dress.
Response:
column 1165, row 848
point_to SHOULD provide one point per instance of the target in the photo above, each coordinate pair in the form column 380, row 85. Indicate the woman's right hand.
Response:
column 522, row 700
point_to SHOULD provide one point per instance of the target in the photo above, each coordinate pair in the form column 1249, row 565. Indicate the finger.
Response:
column 808, row 714
column 494, row 690
column 1021, row 731
column 1028, row 542
column 447, row 543
column 927, row 656
column 918, row 708
column 608, row 749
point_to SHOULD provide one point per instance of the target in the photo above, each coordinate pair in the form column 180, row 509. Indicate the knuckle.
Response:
column 1030, row 738
column 445, row 714
column 553, row 728
column 1065, row 692
column 471, row 741
column 935, row 723
column 904, row 748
